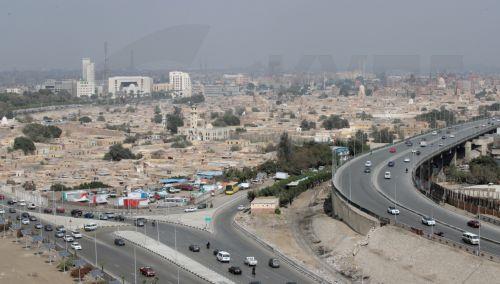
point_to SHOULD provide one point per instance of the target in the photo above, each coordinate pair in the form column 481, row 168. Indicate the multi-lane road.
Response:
column 124, row 261
column 374, row 192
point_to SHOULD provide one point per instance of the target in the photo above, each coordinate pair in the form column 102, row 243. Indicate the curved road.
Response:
column 375, row 193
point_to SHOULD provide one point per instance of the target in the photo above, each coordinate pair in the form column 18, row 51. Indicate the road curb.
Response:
column 281, row 255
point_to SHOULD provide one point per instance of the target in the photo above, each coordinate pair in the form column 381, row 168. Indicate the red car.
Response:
column 147, row 271
column 2, row 197
column 392, row 150
column 474, row 224
column 60, row 210
column 47, row 210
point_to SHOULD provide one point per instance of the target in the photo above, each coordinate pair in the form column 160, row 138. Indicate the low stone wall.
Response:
column 358, row 220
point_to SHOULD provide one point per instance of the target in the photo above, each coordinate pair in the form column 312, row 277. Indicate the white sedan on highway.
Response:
column 368, row 163
column 393, row 210
column 191, row 209
column 241, row 207
column 428, row 221
column 407, row 160
column 76, row 246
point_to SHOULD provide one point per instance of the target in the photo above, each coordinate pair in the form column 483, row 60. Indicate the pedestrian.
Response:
column 253, row 270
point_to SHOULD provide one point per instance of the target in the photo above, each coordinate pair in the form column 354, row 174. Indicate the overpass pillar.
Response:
column 468, row 150
column 484, row 149
column 454, row 158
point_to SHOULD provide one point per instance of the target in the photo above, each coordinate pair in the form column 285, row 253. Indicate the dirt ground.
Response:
column 387, row 255
column 22, row 266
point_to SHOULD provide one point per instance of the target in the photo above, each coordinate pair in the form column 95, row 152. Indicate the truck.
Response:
column 423, row 143
column 250, row 261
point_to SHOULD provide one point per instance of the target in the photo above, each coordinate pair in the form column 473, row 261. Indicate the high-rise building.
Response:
column 181, row 83
column 86, row 86
column 130, row 85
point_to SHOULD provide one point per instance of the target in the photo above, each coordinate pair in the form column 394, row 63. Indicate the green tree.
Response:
column 157, row 110
column 85, row 119
column 41, row 133
column 335, row 122
column 157, row 118
column 118, row 152
column 24, row 144
column 59, row 187
column 174, row 121
column 284, row 148
column 383, row 135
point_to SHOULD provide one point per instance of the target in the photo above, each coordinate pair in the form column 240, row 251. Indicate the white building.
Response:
column 132, row 85
column 86, row 87
column 181, row 83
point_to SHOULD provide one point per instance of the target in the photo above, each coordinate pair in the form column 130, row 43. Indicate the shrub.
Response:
column 85, row 119
column 118, row 152
column 277, row 211
column 24, row 144
column 41, row 133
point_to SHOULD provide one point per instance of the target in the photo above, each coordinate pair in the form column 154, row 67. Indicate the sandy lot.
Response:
column 387, row 255
column 23, row 267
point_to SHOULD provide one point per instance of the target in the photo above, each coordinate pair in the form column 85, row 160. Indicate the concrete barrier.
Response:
column 358, row 220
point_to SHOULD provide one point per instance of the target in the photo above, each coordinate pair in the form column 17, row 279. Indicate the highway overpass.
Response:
column 373, row 194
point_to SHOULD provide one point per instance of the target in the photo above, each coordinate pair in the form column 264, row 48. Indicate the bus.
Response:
column 231, row 188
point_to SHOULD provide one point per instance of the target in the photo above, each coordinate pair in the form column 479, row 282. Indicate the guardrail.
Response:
column 282, row 256
column 432, row 154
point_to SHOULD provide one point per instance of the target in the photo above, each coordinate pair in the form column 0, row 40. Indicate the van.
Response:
column 90, row 227
column 223, row 256
column 387, row 175
column 470, row 238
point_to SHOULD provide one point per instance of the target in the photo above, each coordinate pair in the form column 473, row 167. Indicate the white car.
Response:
column 440, row 144
column 22, row 202
column 31, row 206
column 434, row 133
column 76, row 246
column 250, row 261
column 2, row 211
column 393, row 210
column 223, row 256
column 413, row 151
column 68, row 238
column 76, row 235
column 90, row 227
column 407, row 160
column 387, row 175
column 191, row 209
column 428, row 221
column 25, row 221
column 368, row 163
column 241, row 207
column 452, row 135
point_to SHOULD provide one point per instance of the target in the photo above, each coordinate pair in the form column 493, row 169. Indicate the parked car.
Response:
column 393, row 210
column 76, row 246
column 12, row 210
column 38, row 226
column 61, row 229
column 428, row 221
column 110, row 215
column 147, row 271
column 89, row 215
column 241, row 207
column 103, row 217
column 59, row 234
column 33, row 218
column 48, row 228
column 90, row 227
column 274, row 263
column 250, row 261
column 194, row 248
column 31, row 206
column 234, row 270
column 47, row 210
column 119, row 218
column 11, row 202
column 2, row 197
column 202, row 206
column 190, row 209
column 119, row 242
column 60, row 210
column 25, row 221
column 223, row 256
column 474, row 224
column 2, row 211
column 22, row 202
column 76, row 213
column 139, row 222
column 25, row 215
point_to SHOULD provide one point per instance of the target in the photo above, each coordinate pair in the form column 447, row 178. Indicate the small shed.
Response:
column 264, row 205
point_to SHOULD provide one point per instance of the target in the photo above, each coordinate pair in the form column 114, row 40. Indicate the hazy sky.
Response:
column 47, row 34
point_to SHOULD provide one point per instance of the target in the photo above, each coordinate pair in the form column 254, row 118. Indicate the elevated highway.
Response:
column 374, row 193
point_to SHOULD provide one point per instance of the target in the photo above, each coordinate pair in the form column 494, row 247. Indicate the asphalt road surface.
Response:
column 375, row 193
